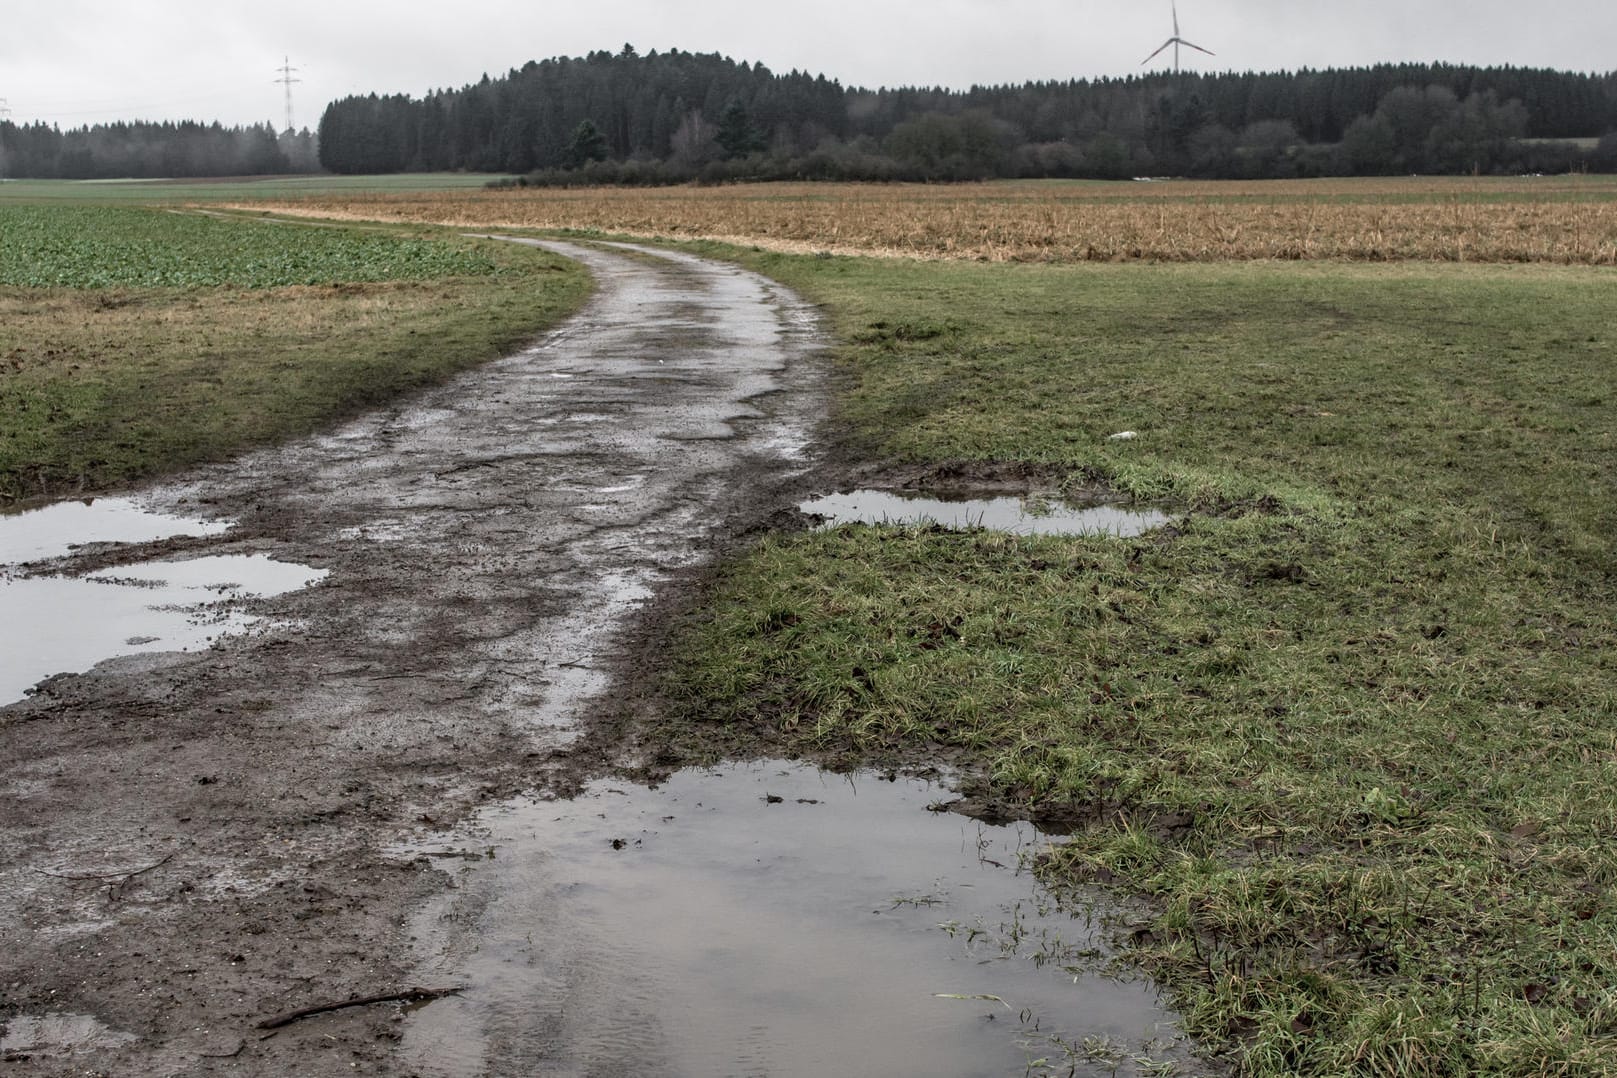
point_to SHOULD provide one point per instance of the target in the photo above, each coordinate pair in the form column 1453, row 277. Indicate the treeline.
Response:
column 675, row 116
column 152, row 151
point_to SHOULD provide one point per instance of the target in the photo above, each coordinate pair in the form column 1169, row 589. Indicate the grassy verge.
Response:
column 176, row 339
column 1350, row 725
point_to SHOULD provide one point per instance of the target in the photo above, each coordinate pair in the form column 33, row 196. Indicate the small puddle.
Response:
column 1020, row 516
column 765, row 919
column 61, row 624
column 53, row 531
column 58, row 1034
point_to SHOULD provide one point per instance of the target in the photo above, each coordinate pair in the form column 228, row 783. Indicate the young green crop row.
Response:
column 118, row 362
column 125, row 247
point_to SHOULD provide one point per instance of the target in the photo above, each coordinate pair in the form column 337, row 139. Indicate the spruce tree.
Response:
column 588, row 145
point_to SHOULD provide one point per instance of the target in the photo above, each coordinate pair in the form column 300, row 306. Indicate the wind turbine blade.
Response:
column 1175, row 18
column 1154, row 55
column 1198, row 48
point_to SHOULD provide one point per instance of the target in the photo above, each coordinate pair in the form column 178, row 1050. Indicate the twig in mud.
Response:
column 232, row 1054
column 122, row 876
column 413, row 995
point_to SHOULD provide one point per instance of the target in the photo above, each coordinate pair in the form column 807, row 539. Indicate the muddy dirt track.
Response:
column 192, row 843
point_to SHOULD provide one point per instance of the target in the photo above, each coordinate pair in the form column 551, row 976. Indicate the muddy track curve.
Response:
column 488, row 544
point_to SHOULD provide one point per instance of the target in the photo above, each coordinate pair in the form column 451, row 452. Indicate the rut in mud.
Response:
column 485, row 546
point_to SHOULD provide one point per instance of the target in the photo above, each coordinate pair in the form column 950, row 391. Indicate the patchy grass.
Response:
column 1350, row 725
column 102, row 386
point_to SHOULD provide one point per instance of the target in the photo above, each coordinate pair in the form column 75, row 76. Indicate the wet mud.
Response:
column 194, row 841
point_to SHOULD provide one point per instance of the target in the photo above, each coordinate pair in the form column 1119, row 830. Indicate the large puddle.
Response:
column 765, row 920
column 63, row 624
column 1021, row 516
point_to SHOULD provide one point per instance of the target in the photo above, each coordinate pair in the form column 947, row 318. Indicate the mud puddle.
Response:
column 26, row 1036
column 1020, row 516
column 54, row 530
column 68, row 624
column 767, row 919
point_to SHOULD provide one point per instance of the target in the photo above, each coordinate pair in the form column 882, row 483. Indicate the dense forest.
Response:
column 674, row 116
column 152, row 151
column 677, row 116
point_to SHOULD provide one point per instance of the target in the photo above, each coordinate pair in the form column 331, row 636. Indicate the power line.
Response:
column 287, row 80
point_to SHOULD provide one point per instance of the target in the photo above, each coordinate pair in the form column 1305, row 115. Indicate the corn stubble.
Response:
column 1569, row 220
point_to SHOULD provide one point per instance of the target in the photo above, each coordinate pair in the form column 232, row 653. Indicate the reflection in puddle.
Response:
column 768, row 919
column 1021, row 516
column 58, row 1034
column 58, row 624
column 54, row 530
column 230, row 575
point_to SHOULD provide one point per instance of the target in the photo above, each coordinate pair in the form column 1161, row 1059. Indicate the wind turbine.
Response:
column 1175, row 41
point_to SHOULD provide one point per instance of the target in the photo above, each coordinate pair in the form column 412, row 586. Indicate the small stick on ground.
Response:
column 412, row 995
column 122, row 876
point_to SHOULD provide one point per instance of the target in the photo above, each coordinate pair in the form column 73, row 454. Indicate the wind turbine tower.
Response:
column 287, row 80
column 1175, row 41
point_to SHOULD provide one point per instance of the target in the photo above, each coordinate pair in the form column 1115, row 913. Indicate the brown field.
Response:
column 1569, row 220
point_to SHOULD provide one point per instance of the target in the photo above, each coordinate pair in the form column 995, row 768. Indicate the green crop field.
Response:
column 108, row 247
column 147, row 192
column 134, row 341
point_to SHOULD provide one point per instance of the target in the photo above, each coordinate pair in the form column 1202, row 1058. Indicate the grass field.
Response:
column 1555, row 219
column 1351, row 725
column 137, row 341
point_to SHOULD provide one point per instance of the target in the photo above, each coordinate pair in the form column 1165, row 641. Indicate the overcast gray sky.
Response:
column 74, row 62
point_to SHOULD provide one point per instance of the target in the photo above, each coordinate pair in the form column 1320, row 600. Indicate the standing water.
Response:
column 59, row 624
column 767, row 919
column 1020, row 516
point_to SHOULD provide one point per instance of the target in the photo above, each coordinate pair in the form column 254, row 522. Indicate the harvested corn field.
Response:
column 1565, row 220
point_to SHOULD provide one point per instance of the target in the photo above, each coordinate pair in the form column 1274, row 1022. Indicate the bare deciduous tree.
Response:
column 694, row 142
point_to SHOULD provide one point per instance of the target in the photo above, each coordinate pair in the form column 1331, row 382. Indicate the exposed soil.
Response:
column 193, row 843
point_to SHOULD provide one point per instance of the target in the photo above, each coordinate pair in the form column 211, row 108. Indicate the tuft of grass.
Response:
column 1349, row 726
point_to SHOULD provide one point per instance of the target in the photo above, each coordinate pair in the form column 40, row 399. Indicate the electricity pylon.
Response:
column 287, row 80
